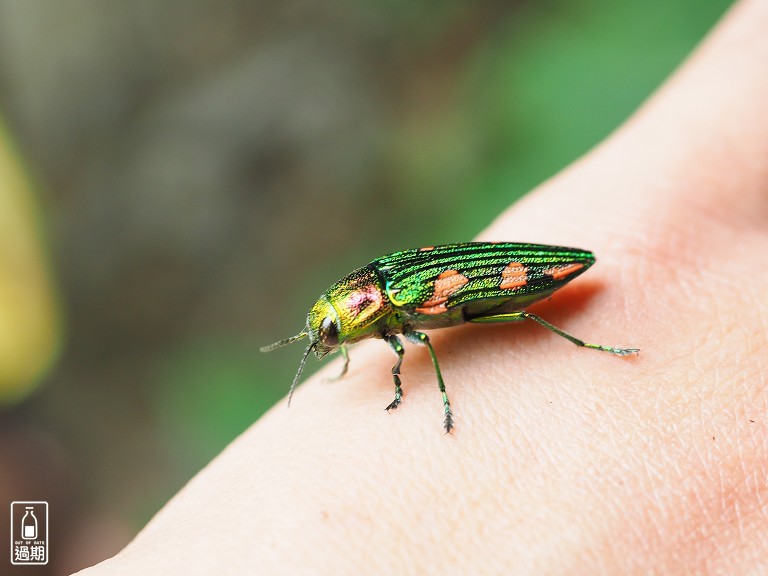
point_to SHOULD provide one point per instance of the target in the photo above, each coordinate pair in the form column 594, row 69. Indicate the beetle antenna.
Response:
column 301, row 367
column 285, row 342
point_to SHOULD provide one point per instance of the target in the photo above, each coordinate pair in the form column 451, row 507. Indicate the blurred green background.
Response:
column 181, row 180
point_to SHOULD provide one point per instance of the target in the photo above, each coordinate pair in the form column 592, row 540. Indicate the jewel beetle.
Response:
column 438, row 287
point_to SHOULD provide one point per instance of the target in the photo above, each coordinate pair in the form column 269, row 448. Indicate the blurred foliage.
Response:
column 29, row 324
column 210, row 168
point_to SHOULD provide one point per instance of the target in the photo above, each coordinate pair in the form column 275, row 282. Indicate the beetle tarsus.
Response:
column 398, row 393
column 624, row 351
column 393, row 405
column 448, row 423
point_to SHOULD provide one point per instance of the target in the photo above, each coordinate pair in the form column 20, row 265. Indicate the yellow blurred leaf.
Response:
column 29, row 319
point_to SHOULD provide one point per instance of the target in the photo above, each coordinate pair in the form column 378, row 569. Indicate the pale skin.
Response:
column 563, row 460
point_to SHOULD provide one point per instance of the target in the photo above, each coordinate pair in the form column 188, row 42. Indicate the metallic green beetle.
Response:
column 438, row 287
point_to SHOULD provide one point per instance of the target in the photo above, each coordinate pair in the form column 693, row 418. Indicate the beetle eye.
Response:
column 328, row 332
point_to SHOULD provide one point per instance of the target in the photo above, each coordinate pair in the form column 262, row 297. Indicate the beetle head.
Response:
column 323, row 327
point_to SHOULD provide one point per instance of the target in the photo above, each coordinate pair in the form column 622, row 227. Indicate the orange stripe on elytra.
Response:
column 560, row 272
column 446, row 284
column 426, row 249
column 514, row 276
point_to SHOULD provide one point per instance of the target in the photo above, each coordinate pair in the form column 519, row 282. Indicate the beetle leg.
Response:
column 516, row 316
column 421, row 338
column 394, row 342
column 344, row 368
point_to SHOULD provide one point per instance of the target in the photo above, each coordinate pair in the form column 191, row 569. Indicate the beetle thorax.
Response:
column 356, row 304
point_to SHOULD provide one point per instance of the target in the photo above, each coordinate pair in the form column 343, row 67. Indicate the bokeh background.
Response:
column 180, row 180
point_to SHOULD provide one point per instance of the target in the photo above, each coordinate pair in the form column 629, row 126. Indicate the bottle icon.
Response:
column 29, row 524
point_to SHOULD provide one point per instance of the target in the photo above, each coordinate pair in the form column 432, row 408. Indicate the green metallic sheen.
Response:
column 409, row 276
column 439, row 287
